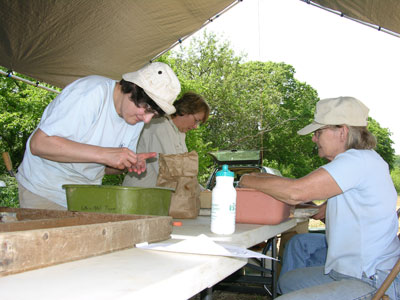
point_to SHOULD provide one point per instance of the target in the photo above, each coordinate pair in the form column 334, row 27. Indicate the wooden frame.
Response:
column 40, row 238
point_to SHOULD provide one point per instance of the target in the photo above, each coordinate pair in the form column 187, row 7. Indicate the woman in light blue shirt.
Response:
column 360, row 213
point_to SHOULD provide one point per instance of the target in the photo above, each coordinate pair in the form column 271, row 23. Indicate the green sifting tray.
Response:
column 118, row 199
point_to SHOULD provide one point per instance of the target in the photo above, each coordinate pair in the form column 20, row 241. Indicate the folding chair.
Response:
column 380, row 293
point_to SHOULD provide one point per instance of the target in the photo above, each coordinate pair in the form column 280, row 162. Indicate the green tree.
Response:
column 21, row 107
column 9, row 193
column 384, row 143
column 395, row 173
column 254, row 105
column 280, row 105
column 397, row 161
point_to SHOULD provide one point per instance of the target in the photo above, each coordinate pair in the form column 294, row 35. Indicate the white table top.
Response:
column 139, row 274
column 246, row 235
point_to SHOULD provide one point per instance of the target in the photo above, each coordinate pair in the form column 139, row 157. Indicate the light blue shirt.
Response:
column 361, row 223
column 84, row 112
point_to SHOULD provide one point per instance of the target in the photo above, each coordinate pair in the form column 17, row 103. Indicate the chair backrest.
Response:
column 380, row 293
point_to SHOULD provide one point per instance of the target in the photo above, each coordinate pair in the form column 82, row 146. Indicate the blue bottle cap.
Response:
column 225, row 172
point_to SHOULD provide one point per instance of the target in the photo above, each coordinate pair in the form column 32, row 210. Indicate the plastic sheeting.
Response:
column 58, row 41
column 382, row 13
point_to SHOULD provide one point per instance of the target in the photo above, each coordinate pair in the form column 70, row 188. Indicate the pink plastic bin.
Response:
column 255, row 207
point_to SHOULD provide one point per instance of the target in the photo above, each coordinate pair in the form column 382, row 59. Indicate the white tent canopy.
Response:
column 58, row 41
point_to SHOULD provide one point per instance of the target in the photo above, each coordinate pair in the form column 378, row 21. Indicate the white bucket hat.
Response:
column 159, row 82
column 337, row 111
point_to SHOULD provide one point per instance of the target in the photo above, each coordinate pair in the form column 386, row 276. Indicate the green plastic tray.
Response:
column 118, row 199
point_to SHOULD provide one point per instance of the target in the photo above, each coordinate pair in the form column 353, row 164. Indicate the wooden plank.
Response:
column 36, row 214
column 68, row 236
column 29, row 219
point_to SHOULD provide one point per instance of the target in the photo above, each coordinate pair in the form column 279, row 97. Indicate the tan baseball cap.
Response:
column 159, row 82
column 337, row 111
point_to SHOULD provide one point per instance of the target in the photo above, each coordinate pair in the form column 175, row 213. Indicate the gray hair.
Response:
column 360, row 138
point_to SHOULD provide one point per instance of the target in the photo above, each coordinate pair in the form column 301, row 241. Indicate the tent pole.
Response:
column 10, row 75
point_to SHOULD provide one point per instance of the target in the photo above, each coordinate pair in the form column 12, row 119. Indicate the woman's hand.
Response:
column 126, row 159
column 59, row 149
column 140, row 166
column 320, row 215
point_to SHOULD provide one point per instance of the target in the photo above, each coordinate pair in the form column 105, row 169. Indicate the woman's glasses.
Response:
column 196, row 121
column 149, row 110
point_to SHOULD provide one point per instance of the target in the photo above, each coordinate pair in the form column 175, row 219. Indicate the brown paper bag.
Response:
column 179, row 171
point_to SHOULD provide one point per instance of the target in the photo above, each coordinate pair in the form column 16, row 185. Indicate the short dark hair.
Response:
column 139, row 96
column 191, row 103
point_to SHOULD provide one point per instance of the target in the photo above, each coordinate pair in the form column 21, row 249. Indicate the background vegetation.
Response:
column 254, row 105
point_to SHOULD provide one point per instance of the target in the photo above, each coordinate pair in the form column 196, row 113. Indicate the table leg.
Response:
column 271, row 243
column 273, row 268
column 206, row 294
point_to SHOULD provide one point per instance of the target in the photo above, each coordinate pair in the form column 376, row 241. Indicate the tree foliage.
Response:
column 395, row 173
column 397, row 161
column 254, row 105
column 384, row 143
column 9, row 193
column 21, row 107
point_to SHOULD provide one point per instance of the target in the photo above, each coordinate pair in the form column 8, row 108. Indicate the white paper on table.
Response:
column 202, row 244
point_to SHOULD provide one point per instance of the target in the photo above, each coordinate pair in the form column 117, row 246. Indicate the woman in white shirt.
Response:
column 92, row 129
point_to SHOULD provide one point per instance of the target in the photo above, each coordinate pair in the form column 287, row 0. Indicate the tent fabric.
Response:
column 58, row 41
column 383, row 13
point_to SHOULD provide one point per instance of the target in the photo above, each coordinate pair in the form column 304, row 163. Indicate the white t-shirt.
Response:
column 362, row 222
column 161, row 136
column 84, row 112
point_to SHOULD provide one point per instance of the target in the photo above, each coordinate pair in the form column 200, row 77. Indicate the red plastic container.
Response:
column 255, row 207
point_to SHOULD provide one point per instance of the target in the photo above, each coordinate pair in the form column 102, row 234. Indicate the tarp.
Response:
column 58, row 41
column 382, row 13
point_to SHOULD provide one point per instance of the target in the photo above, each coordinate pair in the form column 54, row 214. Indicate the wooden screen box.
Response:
column 36, row 238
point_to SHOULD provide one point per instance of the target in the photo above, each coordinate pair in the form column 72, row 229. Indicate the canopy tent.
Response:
column 58, row 41
column 382, row 14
